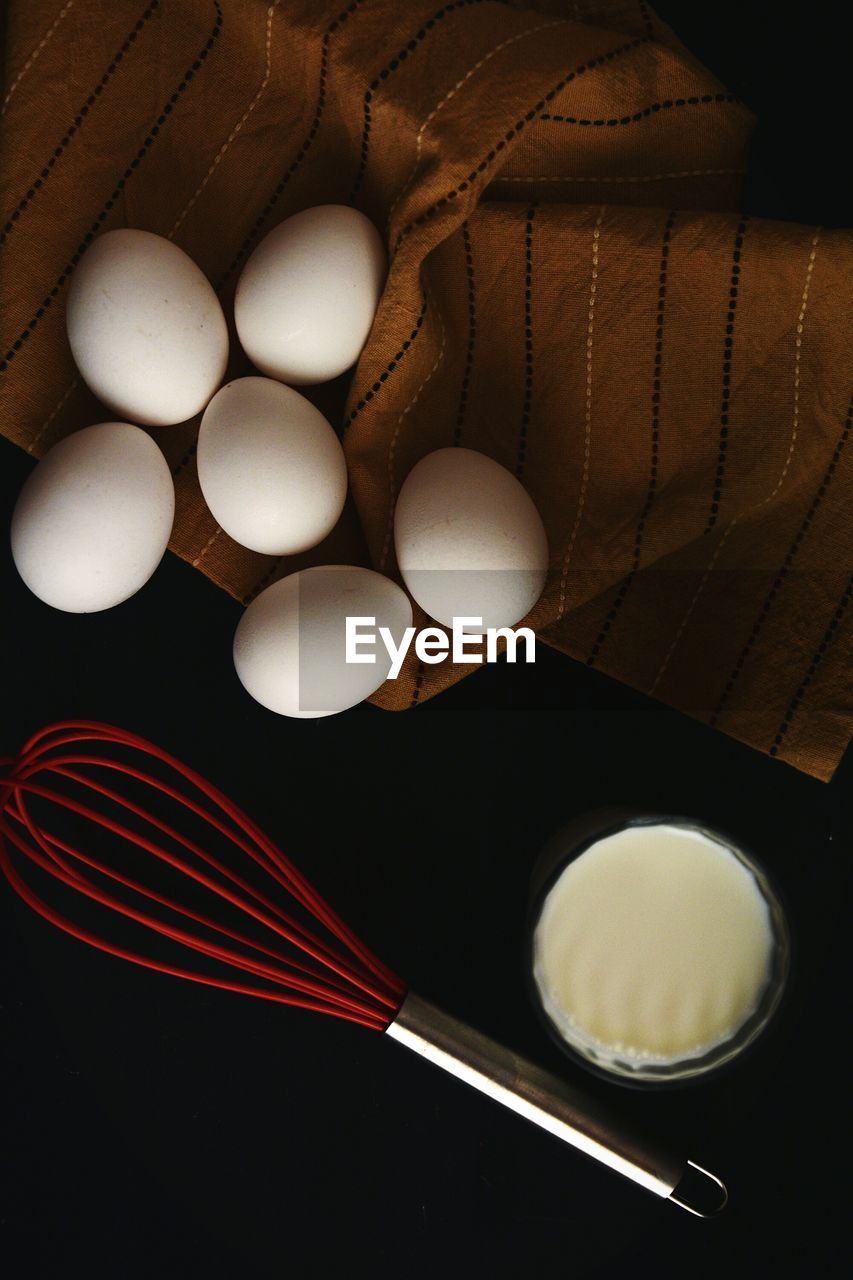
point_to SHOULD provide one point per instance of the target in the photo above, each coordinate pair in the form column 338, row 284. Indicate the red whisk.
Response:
column 271, row 935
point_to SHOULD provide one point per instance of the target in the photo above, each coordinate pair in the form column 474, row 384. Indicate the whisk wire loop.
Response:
column 335, row 974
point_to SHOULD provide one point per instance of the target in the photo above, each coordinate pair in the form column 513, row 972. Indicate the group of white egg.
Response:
column 149, row 338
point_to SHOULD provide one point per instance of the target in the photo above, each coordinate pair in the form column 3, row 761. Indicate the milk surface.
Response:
column 655, row 944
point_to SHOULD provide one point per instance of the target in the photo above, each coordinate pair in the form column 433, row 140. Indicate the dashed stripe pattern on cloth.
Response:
column 784, row 571
column 392, row 364
column 217, row 159
column 500, row 145
column 418, row 684
column 334, row 26
column 35, row 55
column 587, row 441
column 625, row 179
column 818, row 656
column 644, row 113
column 127, row 174
column 82, row 114
column 388, row 70
column 448, row 97
column 728, row 345
column 472, row 334
column 392, row 447
column 645, row 14
column 657, row 377
column 271, row 202
column 527, row 399
column 792, row 444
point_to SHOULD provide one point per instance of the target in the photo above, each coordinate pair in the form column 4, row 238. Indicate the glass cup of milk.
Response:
column 659, row 950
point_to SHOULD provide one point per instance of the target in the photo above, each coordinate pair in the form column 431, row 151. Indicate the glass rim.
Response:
column 565, row 847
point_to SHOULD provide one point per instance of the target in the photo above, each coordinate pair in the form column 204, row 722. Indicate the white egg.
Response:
column 270, row 467
column 146, row 329
column 469, row 541
column 307, row 296
column 290, row 645
column 92, row 521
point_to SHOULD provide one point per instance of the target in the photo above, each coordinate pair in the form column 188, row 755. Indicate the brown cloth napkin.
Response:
column 571, row 291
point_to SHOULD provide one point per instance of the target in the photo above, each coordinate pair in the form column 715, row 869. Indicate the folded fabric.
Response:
column 571, row 291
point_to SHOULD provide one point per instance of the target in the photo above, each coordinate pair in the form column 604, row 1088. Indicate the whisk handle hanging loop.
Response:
column 553, row 1105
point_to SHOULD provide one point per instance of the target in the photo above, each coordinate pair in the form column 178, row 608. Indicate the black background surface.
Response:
column 150, row 1128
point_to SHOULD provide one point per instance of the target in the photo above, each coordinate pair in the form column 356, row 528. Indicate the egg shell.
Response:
column 469, row 540
column 145, row 328
column 289, row 647
column 307, row 297
column 94, row 518
column 270, row 467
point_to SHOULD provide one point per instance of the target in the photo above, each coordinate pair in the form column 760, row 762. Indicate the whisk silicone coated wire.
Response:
column 303, row 954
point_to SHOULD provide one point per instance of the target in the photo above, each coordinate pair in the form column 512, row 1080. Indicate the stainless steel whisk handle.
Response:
column 548, row 1102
